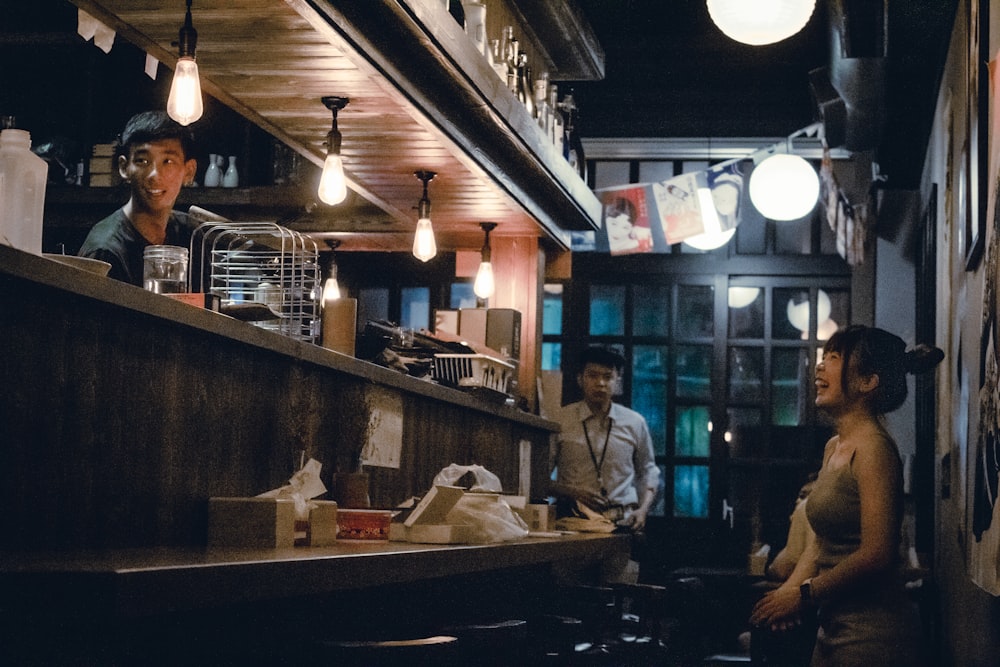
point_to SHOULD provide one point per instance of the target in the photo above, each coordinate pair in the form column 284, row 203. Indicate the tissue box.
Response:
column 320, row 529
column 426, row 523
column 251, row 522
column 363, row 524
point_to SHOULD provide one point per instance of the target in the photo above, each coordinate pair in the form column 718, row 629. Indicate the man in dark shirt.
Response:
column 155, row 159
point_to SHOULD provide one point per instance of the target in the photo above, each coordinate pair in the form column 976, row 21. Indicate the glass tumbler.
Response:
column 164, row 269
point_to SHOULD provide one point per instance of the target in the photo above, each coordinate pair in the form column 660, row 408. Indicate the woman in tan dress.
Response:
column 851, row 574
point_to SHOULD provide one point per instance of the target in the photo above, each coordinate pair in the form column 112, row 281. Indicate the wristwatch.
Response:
column 806, row 593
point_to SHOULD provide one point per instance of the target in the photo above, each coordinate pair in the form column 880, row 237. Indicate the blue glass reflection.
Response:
column 691, row 492
column 691, row 433
column 649, row 391
column 607, row 310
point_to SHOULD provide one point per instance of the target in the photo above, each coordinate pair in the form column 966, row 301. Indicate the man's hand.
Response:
column 637, row 520
column 591, row 499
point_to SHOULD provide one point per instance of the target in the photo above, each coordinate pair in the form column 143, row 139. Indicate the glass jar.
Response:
column 164, row 269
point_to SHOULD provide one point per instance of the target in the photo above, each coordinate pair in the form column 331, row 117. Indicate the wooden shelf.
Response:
column 422, row 97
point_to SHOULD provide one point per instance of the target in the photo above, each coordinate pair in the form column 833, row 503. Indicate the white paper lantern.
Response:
column 784, row 187
column 758, row 22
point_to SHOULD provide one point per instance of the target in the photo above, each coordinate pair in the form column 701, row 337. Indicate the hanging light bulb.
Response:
column 331, row 288
column 784, row 187
column 485, row 284
column 424, row 245
column 332, row 184
column 758, row 22
column 184, row 104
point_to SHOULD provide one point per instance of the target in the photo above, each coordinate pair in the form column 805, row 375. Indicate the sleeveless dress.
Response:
column 875, row 623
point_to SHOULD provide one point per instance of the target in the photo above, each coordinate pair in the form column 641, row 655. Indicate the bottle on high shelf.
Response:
column 542, row 111
column 524, row 93
column 512, row 57
column 572, row 145
column 556, row 122
column 497, row 61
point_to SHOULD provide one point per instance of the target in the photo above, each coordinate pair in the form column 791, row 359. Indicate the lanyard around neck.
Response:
column 598, row 466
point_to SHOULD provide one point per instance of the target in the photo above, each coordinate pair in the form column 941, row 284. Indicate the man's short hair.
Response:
column 150, row 126
column 602, row 356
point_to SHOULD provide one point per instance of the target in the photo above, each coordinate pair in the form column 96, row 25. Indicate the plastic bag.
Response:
column 485, row 480
column 489, row 517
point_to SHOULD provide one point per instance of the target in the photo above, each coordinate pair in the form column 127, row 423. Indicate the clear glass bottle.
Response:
column 524, row 92
column 497, row 61
column 541, row 92
column 556, row 126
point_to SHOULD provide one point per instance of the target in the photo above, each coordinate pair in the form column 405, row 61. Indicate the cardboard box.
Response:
column 322, row 528
column 472, row 324
column 503, row 331
column 355, row 524
column 251, row 522
column 426, row 523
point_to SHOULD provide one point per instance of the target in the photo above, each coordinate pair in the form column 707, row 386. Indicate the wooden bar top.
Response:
column 142, row 582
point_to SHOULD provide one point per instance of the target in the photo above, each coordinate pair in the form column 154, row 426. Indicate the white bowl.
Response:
column 86, row 263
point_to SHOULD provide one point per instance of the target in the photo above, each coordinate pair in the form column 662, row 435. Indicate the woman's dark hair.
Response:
column 620, row 206
column 154, row 126
column 875, row 351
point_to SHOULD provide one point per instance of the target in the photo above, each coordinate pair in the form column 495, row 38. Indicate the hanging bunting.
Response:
column 848, row 222
column 726, row 185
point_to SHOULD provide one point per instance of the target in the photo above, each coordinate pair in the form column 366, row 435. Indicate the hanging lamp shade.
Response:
column 759, row 22
column 784, row 187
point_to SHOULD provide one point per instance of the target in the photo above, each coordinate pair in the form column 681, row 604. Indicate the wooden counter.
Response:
column 143, row 582
column 124, row 411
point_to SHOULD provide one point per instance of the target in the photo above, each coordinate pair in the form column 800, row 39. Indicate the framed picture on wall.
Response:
column 977, row 156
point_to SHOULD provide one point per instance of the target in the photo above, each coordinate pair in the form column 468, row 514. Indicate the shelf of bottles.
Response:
column 519, row 67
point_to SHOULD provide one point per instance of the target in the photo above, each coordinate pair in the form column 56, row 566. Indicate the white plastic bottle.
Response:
column 22, row 192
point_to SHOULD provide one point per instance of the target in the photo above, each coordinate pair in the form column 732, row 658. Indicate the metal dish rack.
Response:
column 262, row 272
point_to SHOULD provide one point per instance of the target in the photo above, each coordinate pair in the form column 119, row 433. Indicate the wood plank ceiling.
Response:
column 272, row 61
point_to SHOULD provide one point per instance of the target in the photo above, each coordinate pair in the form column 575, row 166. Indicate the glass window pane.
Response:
column 462, row 296
column 751, row 235
column 649, row 391
column 610, row 174
column 373, row 305
column 746, row 374
column 551, row 356
column 791, row 313
column 695, row 311
column 746, row 312
column 793, row 237
column 415, row 307
column 607, row 310
column 691, row 492
column 552, row 309
column 790, row 386
column 659, row 170
column 692, row 431
column 743, row 432
column 651, row 312
column 694, row 371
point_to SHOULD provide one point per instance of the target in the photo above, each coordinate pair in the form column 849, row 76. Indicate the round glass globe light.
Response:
column 784, row 187
column 758, row 22
column 710, row 240
column 798, row 313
